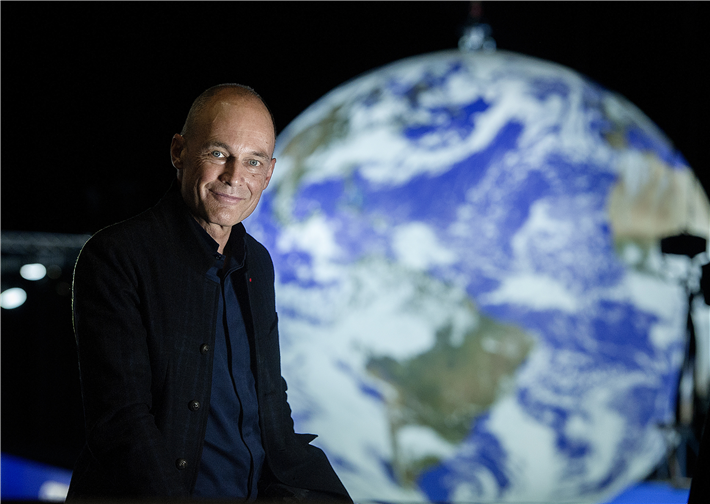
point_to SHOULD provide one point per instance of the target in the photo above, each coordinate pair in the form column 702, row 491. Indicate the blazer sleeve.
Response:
column 127, row 453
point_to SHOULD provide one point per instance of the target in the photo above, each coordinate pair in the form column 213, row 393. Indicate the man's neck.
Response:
column 220, row 234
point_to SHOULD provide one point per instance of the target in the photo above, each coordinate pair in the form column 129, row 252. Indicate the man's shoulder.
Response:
column 141, row 226
column 152, row 226
column 259, row 259
column 254, row 246
column 256, row 251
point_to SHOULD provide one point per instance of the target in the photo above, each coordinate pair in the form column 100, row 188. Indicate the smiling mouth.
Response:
column 226, row 198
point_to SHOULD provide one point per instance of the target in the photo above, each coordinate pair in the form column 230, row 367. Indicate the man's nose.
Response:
column 232, row 174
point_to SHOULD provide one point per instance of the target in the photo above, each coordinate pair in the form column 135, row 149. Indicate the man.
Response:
column 177, row 332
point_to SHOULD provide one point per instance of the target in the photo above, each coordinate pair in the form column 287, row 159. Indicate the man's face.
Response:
column 224, row 162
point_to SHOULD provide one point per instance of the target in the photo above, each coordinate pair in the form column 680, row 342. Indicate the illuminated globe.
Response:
column 472, row 300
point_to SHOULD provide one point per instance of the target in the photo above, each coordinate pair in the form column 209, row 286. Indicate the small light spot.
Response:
column 12, row 298
column 33, row 271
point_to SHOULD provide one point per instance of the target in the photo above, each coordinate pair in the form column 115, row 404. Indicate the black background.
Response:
column 93, row 92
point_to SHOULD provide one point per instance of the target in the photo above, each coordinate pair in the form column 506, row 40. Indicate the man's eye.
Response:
column 217, row 154
column 254, row 162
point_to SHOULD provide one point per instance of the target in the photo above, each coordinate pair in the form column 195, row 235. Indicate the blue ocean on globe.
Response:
column 473, row 304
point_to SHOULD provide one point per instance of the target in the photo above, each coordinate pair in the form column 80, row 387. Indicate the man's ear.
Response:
column 176, row 149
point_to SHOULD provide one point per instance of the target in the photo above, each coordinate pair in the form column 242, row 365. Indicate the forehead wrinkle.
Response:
column 216, row 143
column 260, row 154
column 216, row 116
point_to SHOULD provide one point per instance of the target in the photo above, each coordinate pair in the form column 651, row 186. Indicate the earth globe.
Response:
column 472, row 297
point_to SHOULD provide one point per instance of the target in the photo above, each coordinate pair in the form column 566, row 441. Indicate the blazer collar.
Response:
column 190, row 246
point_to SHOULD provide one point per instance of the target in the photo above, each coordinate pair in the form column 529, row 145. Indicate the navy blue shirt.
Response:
column 232, row 456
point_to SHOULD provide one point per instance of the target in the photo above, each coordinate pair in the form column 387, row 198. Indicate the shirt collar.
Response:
column 234, row 249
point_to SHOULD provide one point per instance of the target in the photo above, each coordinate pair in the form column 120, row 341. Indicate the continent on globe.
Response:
column 446, row 387
column 473, row 301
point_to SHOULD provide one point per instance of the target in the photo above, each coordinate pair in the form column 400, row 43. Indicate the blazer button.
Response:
column 181, row 464
column 194, row 405
column 204, row 348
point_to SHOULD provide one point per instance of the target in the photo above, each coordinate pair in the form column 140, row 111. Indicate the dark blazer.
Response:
column 144, row 319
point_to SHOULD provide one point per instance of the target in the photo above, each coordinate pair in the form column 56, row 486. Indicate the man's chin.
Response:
column 226, row 221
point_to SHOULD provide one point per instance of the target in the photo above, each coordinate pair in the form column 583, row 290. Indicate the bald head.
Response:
column 221, row 90
column 224, row 157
